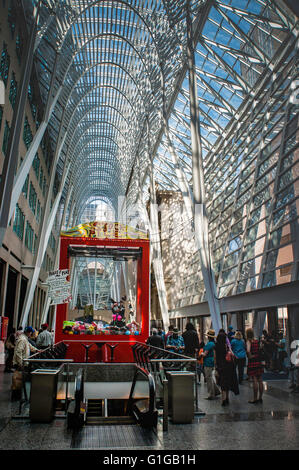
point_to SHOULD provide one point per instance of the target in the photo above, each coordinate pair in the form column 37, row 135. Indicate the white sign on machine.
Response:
column 59, row 288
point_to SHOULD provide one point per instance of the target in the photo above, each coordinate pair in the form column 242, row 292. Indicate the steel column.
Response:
column 200, row 215
column 45, row 231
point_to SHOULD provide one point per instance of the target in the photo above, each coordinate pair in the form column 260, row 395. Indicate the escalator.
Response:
column 100, row 412
column 129, row 410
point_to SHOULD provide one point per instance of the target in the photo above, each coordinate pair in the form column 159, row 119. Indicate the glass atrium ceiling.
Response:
column 116, row 65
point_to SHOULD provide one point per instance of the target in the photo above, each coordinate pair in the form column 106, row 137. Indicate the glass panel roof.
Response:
column 108, row 61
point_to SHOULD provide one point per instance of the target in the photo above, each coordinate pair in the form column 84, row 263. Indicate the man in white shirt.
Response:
column 44, row 339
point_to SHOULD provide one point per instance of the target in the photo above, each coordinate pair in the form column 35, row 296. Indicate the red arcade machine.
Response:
column 94, row 342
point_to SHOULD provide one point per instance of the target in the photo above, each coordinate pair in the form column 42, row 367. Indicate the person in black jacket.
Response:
column 191, row 341
column 155, row 339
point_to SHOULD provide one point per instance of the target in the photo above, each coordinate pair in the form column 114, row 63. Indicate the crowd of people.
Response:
column 222, row 359
column 20, row 344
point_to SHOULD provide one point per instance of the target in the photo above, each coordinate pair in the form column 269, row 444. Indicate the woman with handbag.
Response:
column 255, row 367
column 225, row 369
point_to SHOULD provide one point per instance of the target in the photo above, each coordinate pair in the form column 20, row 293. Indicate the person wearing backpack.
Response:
column 255, row 368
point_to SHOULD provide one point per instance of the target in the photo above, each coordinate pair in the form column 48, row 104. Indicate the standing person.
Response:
column 161, row 333
column 32, row 338
column 23, row 348
column 282, row 352
column 44, row 339
column 231, row 333
column 209, row 364
column 155, row 339
column 239, row 349
column 9, row 348
column 175, row 342
column 255, row 368
column 225, row 369
column 266, row 344
column 294, row 367
column 191, row 341
column 170, row 331
column 19, row 332
column 199, row 366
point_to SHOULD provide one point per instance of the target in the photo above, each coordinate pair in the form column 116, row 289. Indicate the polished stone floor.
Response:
column 274, row 424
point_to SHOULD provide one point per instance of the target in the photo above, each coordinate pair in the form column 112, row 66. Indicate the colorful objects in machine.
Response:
column 99, row 328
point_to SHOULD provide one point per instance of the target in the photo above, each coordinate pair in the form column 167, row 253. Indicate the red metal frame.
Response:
column 123, row 352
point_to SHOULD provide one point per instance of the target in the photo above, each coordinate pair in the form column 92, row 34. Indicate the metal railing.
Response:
column 147, row 417
column 159, row 361
column 57, row 351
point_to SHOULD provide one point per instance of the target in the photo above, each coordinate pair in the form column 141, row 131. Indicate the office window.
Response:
column 4, row 64
column 36, row 165
column 12, row 18
column 38, row 211
column 31, row 101
column 13, row 90
column 29, row 234
column 19, row 47
column 44, row 186
column 5, row 138
column 41, row 176
column 19, row 222
column 35, row 244
column 25, row 187
column 27, row 134
column 32, row 198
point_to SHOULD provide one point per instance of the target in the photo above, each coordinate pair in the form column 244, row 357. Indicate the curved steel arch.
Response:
column 76, row 167
column 109, row 138
column 81, row 192
column 95, row 87
column 125, row 4
column 98, row 63
column 92, row 125
column 100, row 86
column 96, row 106
column 122, row 38
column 68, row 97
column 87, row 192
column 79, row 78
column 79, row 163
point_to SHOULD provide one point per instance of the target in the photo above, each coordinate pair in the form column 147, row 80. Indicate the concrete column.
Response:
column 240, row 322
column 272, row 319
column 259, row 318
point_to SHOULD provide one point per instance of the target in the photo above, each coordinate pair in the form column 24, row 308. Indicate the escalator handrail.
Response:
column 47, row 350
column 152, row 389
column 147, row 350
column 79, row 390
